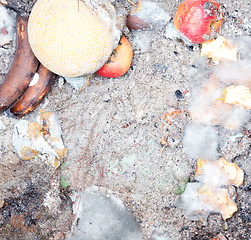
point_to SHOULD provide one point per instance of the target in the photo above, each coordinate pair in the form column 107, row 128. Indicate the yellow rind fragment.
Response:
column 199, row 167
column 1, row 203
column 44, row 114
column 28, row 153
column 237, row 95
column 218, row 50
column 56, row 163
column 234, row 173
column 61, row 153
column 219, row 200
column 34, row 130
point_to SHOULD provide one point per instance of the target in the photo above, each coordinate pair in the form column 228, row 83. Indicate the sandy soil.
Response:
column 113, row 131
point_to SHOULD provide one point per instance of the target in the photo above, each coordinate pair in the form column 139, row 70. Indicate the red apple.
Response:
column 198, row 20
column 119, row 62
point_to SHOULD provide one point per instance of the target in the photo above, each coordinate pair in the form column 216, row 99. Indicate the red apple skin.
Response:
column 119, row 62
column 198, row 20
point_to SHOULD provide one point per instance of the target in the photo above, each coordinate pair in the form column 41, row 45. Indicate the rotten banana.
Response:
column 33, row 95
column 22, row 70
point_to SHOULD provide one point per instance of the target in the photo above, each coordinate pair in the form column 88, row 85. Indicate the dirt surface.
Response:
column 113, row 131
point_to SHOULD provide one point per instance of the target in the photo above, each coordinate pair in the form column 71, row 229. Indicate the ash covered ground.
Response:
column 126, row 135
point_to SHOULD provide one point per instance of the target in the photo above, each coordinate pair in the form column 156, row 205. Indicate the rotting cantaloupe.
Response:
column 69, row 38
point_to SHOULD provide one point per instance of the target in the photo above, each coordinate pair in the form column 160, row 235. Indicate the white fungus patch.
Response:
column 7, row 26
column 198, row 201
column 34, row 80
column 142, row 40
column 207, row 105
column 155, row 17
column 171, row 32
column 2, row 126
column 201, row 141
column 153, row 14
column 101, row 215
column 191, row 203
column 77, row 82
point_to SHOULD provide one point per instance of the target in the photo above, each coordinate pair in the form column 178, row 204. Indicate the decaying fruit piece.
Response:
column 218, row 107
column 234, row 173
column 135, row 23
column 219, row 200
column 71, row 38
column 219, row 173
column 22, row 70
column 34, row 95
column 198, row 20
column 40, row 139
column 209, row 194
column 237, row 95
column 119, row 62
column 219, row 49
column 209, row 111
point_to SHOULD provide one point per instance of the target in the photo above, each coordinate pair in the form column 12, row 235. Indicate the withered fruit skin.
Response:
column 135, row 23
column 120, row 62
column 22, row 69
column 34, row 95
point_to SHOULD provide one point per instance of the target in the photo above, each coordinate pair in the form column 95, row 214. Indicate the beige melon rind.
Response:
column 69, row 38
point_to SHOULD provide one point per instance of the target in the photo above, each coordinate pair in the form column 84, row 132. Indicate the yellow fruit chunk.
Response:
column 218, row 199
column 219, row 172
column 237, row 95
column 28, row 153
column 218, row 50
column 62, row 152
column 234, row 173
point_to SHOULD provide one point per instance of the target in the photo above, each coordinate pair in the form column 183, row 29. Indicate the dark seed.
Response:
column 179, row 94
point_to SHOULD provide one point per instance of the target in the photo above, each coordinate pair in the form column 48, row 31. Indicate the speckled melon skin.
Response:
column 68, row 38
